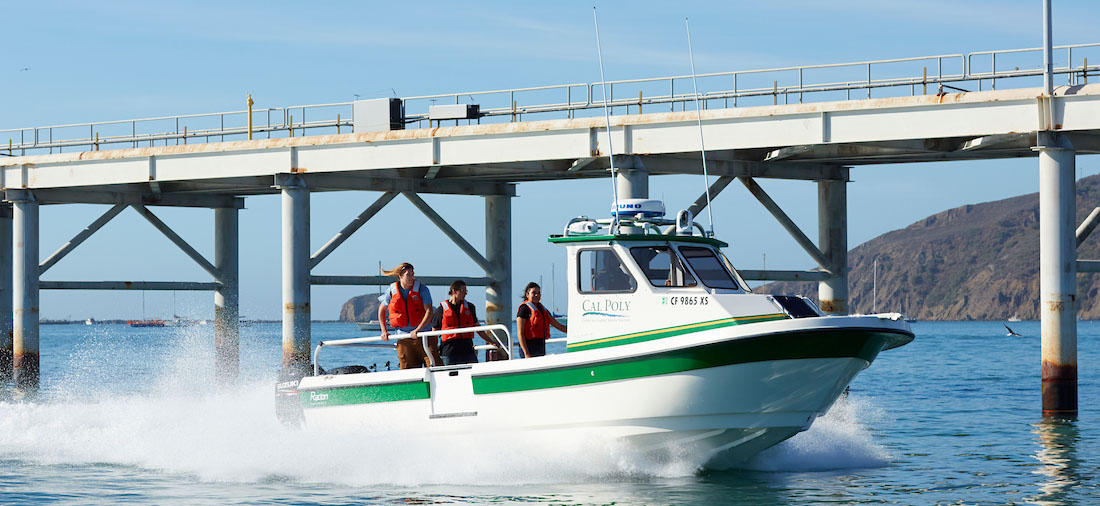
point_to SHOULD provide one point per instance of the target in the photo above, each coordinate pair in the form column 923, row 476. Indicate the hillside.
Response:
column 977, row 262
column 360, row 308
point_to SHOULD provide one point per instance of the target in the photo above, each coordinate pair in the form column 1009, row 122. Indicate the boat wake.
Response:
column 233, row 437
column 838, row 440
column 176, row 424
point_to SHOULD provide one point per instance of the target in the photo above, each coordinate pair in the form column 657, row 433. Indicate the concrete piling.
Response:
column 25, row 350
column 226, row 297
column 6, row 329
column 498, row 252
column 295, row 239
column 832, row 226
column 1058, row 274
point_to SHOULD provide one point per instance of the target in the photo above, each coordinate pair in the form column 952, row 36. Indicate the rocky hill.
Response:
column 978, row 262
column 360, row 308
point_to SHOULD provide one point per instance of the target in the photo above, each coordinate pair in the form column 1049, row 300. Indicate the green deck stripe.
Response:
column 364, row 394
column 649, row 335
column 816, row 344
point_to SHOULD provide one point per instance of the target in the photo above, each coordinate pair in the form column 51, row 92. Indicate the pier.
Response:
column 761, row 124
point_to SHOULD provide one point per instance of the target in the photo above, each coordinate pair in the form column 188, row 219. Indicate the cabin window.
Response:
column 736, row 275
column 662, row 267
column 708, row 267
column 601, row 271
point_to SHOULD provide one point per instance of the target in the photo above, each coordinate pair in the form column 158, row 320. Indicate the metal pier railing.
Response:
column 975, row 71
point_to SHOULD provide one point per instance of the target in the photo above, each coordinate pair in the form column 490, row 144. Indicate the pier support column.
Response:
column 1058, row 274
column 227, row 318
column 25, row 360
column 296, row 311
column 832, row 229
column 632, row 182
column 6, row 286
column 498, row 251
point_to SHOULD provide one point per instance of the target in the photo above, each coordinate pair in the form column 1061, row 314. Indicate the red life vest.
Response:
column 538, row 325
column 406, row 313
column 451, row 320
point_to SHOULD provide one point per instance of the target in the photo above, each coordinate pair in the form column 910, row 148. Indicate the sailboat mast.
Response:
column 874, row 288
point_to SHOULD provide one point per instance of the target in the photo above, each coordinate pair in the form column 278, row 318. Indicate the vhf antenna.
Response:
column 607, row 121
column 699, row 121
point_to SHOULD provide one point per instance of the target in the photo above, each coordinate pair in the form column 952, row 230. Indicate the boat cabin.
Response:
column 637, row 277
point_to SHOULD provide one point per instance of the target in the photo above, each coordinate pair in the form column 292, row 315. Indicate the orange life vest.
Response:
column 452, row 320
column 406, row 313
column 538, row 325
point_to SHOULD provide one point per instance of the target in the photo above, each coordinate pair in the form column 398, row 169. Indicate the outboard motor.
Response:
column 287, row 406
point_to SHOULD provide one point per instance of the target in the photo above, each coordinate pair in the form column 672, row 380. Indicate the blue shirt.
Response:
column 425, row 296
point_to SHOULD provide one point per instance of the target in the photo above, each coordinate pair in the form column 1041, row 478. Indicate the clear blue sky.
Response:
column 118, row 60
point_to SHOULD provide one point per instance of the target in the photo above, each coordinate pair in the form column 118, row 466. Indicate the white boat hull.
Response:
column 724, row 393
column 369, row 325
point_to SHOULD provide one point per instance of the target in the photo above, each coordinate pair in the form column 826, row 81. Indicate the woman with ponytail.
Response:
column 409, row 307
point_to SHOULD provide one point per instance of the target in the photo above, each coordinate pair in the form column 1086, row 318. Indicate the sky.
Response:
column 72, row 62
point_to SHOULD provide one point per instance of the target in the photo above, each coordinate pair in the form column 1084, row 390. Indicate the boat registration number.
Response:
column 687, row 301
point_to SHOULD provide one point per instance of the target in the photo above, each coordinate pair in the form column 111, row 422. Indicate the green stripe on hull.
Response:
column 365, row 394
column 805, row 345
column 649, row 335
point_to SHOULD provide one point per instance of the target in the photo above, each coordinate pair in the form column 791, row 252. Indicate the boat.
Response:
column 1014, row 318
column 667, row 349
column 89, row 321
column 370, row 325
column 155, row 322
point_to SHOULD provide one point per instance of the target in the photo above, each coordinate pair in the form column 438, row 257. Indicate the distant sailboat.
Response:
column 143, row 322
column 1014, row 318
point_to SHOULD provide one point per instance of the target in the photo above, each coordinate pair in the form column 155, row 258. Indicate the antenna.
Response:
column 699, row 121
column 607, row 121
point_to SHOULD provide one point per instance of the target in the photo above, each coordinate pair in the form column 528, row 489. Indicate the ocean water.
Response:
column 131, row 416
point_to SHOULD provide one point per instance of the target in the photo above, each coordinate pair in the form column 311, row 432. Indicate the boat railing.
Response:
column 378, row 342
column 647, row 226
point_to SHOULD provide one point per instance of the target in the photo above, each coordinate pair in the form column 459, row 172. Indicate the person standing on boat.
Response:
column 409, row 305
column 533, row 322
column 455, row 313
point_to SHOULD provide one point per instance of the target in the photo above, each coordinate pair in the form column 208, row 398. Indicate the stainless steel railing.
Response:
column 506, row 345
column 838, row 81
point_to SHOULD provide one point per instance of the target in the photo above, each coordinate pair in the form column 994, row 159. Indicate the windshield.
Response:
column 736, row 275
column 711, row 271
column 661, row 266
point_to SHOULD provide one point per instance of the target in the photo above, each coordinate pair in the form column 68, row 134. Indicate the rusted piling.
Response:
column 1058, row 274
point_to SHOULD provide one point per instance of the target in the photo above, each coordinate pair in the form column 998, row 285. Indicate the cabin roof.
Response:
column 637, row 238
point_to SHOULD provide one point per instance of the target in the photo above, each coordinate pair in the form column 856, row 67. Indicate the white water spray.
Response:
column 167, row 418
column 838, row 440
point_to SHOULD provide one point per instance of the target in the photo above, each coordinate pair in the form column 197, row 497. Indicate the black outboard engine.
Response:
column 287, row 406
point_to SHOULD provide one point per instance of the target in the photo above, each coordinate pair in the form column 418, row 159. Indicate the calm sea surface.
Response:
column 130, row 416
